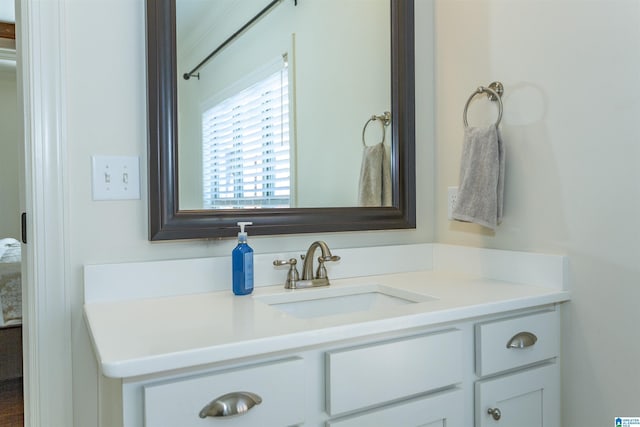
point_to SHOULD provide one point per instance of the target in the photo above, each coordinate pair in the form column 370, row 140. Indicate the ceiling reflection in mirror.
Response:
column 280, row 117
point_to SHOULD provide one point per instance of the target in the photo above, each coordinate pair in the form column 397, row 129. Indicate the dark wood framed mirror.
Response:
column 168, row 222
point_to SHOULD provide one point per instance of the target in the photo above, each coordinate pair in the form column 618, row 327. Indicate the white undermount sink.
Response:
column 329, row 301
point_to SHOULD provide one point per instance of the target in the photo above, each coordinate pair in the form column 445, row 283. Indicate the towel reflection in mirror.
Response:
column 374, row 186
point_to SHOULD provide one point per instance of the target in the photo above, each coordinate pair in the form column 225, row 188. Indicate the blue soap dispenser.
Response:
column 242, row 263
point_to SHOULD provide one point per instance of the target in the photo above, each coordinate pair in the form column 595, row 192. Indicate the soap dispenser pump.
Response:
column 242, row 263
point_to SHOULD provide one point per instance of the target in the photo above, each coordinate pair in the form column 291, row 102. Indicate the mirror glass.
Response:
column 275, row 118
column 275, row 126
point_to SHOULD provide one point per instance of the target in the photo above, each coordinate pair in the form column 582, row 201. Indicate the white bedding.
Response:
column 10, row 282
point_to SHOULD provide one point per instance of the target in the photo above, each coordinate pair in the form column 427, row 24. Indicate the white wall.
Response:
column 106, row 114
column 571, row 71
column 9, row 154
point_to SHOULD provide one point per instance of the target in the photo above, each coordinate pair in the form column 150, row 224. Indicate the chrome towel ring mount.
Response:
column 494, row 93
column 385, row 120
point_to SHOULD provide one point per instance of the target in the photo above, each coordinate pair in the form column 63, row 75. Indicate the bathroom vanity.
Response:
column 437, row 346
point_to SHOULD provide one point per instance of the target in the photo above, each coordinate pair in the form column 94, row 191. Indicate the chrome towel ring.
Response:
column 385, row 120
column 494, row 93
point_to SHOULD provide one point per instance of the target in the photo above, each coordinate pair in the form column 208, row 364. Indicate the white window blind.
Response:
column 245, row 141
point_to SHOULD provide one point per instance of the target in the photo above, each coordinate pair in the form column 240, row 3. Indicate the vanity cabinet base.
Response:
column 433, row 376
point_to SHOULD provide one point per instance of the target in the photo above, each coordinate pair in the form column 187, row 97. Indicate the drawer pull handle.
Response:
column 522, row 340
column 495, row 413
column 231, row 404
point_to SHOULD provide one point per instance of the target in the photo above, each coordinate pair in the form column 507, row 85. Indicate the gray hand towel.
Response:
column 481, row 189
column 375, row 177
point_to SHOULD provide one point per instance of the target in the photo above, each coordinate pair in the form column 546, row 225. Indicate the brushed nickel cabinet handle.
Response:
column 231, row 404
column 495, row 413
column 522, row 340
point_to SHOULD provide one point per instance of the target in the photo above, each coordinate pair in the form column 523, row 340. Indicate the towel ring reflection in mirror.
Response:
column 494, row 93
column 385, row 120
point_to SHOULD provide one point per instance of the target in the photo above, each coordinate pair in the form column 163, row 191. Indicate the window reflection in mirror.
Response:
column 245, row 144
column 338, row 76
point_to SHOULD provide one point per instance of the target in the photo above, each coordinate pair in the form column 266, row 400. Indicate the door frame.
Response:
column 46, row 302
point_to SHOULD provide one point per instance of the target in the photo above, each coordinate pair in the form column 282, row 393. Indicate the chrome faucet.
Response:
column 309, row 280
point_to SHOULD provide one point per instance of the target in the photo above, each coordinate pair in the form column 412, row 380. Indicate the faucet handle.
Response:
column 321, row 272
column 280, row 262
column 292, row 275
column 323, row 258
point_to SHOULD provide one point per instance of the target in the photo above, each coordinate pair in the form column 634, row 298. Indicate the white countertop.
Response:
column 153, row 335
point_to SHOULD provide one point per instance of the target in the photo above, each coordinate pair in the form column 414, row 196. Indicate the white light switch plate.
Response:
column 115, row 177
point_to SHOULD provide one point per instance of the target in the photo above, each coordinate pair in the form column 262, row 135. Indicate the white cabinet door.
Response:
column 527, row 398
column 444, row 409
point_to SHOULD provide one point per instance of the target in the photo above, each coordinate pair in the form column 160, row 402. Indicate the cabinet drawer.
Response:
column 492, row 342
column 371, row 375
column 278, row 384
column 438, row 410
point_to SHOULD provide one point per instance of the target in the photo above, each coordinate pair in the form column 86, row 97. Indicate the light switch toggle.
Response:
column 115, row 177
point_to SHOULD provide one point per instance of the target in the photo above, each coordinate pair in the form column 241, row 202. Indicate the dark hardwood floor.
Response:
column 11, row 403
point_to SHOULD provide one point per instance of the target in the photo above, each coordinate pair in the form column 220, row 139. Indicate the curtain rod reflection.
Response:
column 224, row 44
